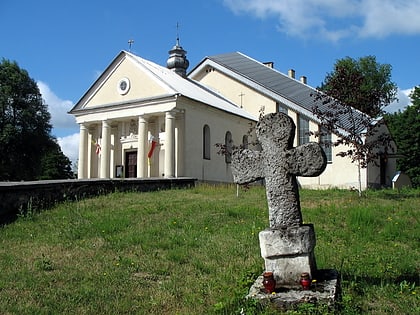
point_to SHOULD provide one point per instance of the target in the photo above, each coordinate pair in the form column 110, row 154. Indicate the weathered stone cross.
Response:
column 279, row 163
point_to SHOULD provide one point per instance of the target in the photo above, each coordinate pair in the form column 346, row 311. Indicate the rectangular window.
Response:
column 326, row 144
column 303, row 130
column 281, row 108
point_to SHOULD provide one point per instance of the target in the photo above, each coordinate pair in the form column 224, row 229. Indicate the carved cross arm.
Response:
column 309, row 160
column 246, row 166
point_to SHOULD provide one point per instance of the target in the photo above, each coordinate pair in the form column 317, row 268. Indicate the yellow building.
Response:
column 140, row 119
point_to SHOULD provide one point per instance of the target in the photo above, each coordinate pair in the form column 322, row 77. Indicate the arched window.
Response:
column 206, row 142
column 245, row 141
column 228, row 145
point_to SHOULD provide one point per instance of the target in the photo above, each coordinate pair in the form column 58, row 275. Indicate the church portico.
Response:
column 148, row 145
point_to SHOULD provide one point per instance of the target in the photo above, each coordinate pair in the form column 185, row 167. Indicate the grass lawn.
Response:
column 196, row 251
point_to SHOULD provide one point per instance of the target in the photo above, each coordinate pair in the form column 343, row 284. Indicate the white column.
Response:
column 112, row 154
column 90, row 164
column 83, row 146
column 142, row 148
column 169, row 144
column 154, row 160
column 180, row 145
column 105, row 149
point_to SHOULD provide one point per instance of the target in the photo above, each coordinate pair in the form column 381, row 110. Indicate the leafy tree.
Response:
column 24, row 125
column 363, row 84
column 405, row 129
column 348, row 105
column 54, row 164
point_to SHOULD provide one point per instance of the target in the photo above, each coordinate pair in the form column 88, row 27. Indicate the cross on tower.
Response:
column 279, row 164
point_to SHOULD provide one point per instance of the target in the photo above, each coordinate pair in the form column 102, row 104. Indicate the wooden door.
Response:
column 131, row 165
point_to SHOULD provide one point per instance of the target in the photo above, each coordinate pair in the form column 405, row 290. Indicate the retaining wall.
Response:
column 20, row 197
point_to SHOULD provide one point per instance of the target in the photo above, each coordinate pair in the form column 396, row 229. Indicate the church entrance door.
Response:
column 131, row 164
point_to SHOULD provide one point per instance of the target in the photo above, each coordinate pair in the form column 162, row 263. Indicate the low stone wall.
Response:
column 21, row 197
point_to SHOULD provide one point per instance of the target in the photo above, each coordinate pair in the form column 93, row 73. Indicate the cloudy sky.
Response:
column 65, row 45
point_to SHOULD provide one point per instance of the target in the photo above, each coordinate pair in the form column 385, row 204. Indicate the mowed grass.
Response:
column 196, row 251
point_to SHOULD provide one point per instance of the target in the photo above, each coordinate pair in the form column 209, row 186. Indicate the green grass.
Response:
column 197, row 252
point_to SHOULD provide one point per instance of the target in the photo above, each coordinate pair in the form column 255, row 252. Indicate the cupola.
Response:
column 177, row 60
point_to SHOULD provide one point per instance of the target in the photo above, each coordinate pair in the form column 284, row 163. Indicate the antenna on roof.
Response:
column 130, row 42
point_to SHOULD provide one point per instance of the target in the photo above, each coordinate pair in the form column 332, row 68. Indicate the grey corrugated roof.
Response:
column 270, row 79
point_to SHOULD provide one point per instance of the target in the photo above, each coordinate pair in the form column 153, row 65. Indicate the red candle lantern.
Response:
column 269, row 282
column 305, row 282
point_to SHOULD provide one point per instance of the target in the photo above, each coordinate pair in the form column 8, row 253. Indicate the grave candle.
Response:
column 269, row 282
column 305, row 282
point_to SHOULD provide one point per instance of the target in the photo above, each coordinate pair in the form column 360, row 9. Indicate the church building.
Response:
column 140, row 119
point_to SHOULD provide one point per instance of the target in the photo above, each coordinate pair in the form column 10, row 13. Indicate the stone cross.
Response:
column 287, row 246
column 279, row 164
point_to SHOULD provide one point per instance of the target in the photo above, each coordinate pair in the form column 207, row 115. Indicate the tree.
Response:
column 349, row 103
column 24, row 125
column 405, row 129
column 54, row 164
column 363, row 84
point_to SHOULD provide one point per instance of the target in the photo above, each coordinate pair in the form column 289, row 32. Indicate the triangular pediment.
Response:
column 125, row 80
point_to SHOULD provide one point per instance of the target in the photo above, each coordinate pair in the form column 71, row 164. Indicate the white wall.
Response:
column 196, row 116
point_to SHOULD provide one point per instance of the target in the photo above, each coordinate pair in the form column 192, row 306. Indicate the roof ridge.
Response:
column 146, row 64
column 154, row 68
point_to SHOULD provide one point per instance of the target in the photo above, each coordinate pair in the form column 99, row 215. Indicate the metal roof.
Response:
column 174, row 84
column 281, row 86
column 190, row 88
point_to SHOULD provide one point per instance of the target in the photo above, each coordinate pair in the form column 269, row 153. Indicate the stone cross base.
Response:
column 326, row 290
column 289, row 252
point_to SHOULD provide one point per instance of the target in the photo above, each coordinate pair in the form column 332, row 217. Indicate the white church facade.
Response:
column 140, row 119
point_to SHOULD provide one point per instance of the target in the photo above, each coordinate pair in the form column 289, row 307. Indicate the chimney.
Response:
column 291, row 73
column 269, row 64
column 303, row 79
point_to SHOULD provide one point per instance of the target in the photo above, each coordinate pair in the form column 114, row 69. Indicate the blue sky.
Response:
column 65, row 45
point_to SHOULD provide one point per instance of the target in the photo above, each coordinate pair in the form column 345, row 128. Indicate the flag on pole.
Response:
column 98, row 147
column 152, row 148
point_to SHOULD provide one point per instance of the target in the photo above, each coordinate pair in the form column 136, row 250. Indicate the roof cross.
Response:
column 241, row 96
column 130, row 42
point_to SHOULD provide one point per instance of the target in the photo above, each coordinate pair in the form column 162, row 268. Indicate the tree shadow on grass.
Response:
column 399, row 194
column 409, row 277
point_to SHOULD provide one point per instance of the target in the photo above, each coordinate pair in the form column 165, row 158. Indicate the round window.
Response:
column 123, row 86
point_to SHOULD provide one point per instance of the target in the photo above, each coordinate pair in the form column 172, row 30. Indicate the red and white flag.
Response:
column 153, row 144
column 98, row 147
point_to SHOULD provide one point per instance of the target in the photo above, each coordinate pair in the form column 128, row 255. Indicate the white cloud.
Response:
column 404, row 100
column 70, row 146
column 335, row 19
column 382, row 18
column 57, row 107
column 62, row 122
